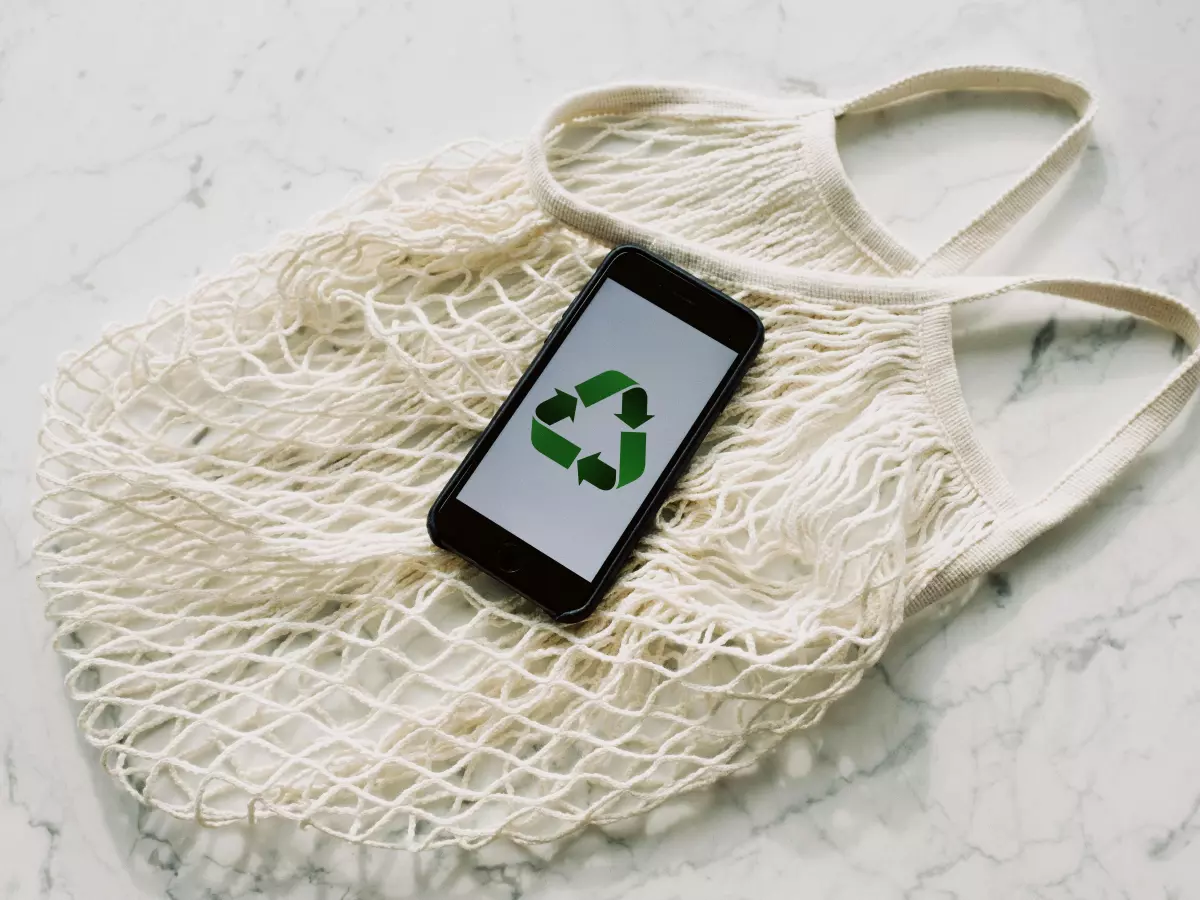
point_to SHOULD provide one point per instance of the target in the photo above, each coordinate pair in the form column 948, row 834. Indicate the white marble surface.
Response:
column 1040, row 744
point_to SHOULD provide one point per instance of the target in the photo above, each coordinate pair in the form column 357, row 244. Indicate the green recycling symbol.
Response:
column 593, row 469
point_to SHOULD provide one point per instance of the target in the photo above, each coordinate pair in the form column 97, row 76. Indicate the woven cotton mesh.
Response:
column 234, row 503
column 732, row 183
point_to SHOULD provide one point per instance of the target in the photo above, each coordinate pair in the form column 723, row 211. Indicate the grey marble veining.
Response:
column 1040, row 743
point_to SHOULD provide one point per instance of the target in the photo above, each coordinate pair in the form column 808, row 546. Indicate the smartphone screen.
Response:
column 621, row 393
column 579, row 457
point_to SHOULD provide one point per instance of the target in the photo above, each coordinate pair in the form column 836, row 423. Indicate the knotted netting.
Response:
column 234, row 494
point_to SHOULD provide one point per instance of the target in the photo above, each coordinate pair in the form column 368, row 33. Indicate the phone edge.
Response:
column 689, row 447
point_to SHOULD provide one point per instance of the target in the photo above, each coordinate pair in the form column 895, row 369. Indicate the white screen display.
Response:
column 586, row 445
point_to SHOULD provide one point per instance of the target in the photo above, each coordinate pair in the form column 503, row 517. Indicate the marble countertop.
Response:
column 1041, row 743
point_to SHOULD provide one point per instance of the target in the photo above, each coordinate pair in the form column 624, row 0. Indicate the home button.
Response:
column 508, row 560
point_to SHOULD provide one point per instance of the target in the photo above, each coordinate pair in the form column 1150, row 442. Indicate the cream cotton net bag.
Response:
column 234, row 490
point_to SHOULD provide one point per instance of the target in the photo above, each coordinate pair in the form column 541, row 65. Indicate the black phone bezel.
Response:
column 566, row 596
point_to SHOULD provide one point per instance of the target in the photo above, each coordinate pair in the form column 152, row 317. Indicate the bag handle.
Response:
column 963, row 247
column 1020, row 524
column 627, row 99
column 671, row 99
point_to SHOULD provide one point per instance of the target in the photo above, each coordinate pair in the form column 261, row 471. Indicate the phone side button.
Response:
column 509, row 558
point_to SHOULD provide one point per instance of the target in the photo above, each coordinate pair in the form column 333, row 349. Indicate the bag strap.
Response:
column 683, row 100
column 1020, row 524
column 963, row 247
column 622, row 100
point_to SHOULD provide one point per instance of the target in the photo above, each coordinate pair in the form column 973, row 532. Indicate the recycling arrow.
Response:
column 596, row 471
column 560, row 406
column 547, row 441
column 602, row 386
column 633, row 408
column 634, row 414
column 552, row 444
column 633, row 456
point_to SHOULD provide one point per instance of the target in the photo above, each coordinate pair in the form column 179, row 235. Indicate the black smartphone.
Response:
column 552, row 497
